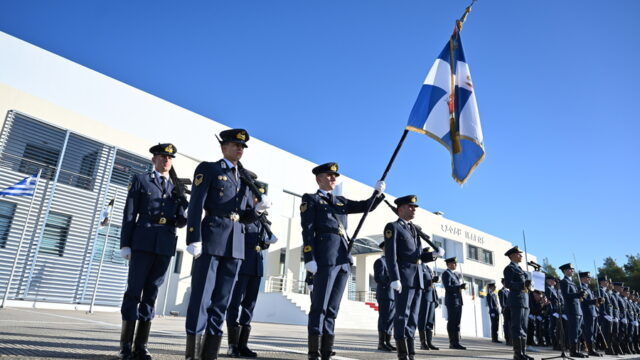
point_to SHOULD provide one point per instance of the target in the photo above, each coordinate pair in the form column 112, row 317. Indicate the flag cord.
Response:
column 384, row 175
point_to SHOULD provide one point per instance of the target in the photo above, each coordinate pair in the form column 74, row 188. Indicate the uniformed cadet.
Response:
column 403, row 254
column 152, row 212
column 553, row 326
column 217, row 241
column 519, row 286
column 386, row 302
column 453, row 301
column 620, row 314
column 245, row 290
column 503, row 295
column 623, row 331
column 572, row 296
column 605, row 318
column 326, row 253
column 494, row 311
column 589, row 310
column 428, row 305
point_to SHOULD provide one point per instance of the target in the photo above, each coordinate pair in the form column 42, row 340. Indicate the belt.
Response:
column 160, row 220
column 331, row 231
column 410, row 261
column 234, row 216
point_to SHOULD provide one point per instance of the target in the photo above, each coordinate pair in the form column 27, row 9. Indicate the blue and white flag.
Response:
column 26, row 187
column 446, row 109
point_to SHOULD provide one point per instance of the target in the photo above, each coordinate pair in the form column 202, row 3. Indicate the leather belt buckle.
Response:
column 234, row 216
column 258, row 248
column 162, row 221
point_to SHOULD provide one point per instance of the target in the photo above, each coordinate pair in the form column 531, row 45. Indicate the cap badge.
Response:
column 414, row 199
column 334, row 167
column 169, row 149
column 240, row 136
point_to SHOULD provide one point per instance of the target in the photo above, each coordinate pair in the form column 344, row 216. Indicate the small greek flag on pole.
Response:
column 446, row 108
column 25, row 187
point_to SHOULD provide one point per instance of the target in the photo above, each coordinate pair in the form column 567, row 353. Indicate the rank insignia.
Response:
column 198, row 179
column 222, row 177
column 169, row 149
column 307, row 249
column 303, row 207
column 323, row 202
column 191, row 229
column 388, row 234
column 340, row 204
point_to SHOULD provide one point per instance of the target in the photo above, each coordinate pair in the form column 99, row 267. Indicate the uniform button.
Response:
column 162, row 203
column 162, row 213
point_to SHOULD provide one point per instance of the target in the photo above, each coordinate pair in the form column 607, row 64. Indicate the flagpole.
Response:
column 24, row 231
column 384, row 175
column 104, row 249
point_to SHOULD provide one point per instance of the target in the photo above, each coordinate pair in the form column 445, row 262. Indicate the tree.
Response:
column 632, row 268
column 611, row 270
column 548, row 268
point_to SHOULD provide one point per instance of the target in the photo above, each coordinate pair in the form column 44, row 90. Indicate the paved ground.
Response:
column 57, row 334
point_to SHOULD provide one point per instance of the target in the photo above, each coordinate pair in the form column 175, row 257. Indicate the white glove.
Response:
column 609, row 318
column 125, row 252
column 615, row 320
column 565, row 317
column 492, row 315
column 264, row 204
column 272, row 240
column 440, row 252
column 532, row 317
column 539, row 318
column 195, row 249
column 556, row 315
column 310, row 287
column 380, row 186
column 397, row 286
column 311, row 266
column 624, row 321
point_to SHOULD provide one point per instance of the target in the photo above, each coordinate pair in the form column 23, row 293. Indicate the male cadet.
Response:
column 572, row 296
column 326, row 254
column 386, row 302
column 148, row 240
column 605, row 318
column 621, row 318
column 216, row 241
column 403, row 253
column 553, row 333
column 589, row 310
column 503, row 295
column 519, row 286
column 494, row 311
column 453, row 301
column 428, row 305
column 245, row 290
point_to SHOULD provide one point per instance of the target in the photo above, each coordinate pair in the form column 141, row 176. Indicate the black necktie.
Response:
column 330, row 197
column 163, row 184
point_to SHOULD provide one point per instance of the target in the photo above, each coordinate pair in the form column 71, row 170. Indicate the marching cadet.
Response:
column 589, row 310
column 386, row 302
column 453, row 301
column 573, row 296
column 494, row 311
column 245, row 290
column 605, row 318
column 217, row 241
column 153, row 210
column 622, row 317
column 326, row 253
column 428, row 305
column 553, row 329
column 403, row 253
column 503, row 295
column 519, row 286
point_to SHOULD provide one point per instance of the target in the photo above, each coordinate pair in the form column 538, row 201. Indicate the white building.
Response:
column 88, row 133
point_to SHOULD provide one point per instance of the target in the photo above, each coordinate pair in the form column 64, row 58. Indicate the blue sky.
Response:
column 556, row 84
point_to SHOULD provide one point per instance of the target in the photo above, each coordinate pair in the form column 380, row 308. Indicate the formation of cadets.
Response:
column 227, row 230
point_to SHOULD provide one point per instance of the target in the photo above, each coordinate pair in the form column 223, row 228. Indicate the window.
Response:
column 7, row 209
column 126, row 165
column 283, row 255
column 55, row 234
column 178, row 264
column 80, row 162
column 112, row 251
column 479, row 254
column 35, row 156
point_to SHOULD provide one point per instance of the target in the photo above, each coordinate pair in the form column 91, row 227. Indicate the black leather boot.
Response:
column 243, row 341
column 429, row 334
column 140, row 344
column 314, row 347
column 233, row 335
column 194, row 345
column 517, row 352
column 387, row 341
column 326, row 348
column 592, row 351
column 411, row 348
column 403, row 353
column 381, row 341
column 523, row 349
column 210, row 346
column 423, row 340
column 454, row 342
column 575, row 351
column 126, row 340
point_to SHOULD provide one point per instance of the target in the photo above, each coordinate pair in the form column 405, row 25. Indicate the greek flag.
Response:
column 25, row 187
column 446, row 109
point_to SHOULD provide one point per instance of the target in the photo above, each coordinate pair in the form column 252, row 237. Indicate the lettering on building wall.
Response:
column 470, row 236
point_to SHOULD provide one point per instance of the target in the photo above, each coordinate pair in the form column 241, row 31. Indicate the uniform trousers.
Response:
column 328, row 286
column 407, row 309
column 243, row 300
column 454, row 315
column 589, row 329
column 427, row 314
column 506, row 324
column 386, row 314
column 211, row 285
column 519, row 322
column 606, row 326
column 574, row 328
column 146, row 275
column 495, row 321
